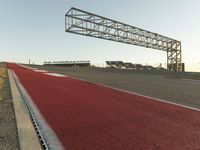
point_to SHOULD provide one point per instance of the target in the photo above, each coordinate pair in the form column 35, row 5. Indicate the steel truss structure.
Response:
column 85, row 23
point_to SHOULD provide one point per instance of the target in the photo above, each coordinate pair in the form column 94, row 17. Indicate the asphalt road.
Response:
column 89, row 116
column 165, row 86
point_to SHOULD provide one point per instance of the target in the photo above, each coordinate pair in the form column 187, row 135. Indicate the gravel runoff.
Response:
column 8, row 129
column 8, row 136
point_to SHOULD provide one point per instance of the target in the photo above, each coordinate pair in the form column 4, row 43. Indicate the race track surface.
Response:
column 86, row 116
column 160, row 85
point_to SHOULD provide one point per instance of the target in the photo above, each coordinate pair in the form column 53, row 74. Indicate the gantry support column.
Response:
column 174, row 60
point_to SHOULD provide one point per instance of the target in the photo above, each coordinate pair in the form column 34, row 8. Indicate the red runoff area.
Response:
column 87, row 116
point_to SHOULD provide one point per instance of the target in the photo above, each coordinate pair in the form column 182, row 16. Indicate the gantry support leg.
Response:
column 174, row 60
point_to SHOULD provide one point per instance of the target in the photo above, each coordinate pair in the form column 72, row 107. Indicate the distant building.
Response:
column 68, row 63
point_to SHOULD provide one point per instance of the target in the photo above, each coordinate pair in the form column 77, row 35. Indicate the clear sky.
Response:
column 34, row 29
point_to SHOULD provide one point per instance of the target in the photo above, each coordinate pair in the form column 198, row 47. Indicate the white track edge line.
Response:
column 137, row 94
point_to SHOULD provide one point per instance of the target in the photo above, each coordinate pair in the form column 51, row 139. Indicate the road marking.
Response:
column 190, row 80
column 40, row 70
column 55, row 74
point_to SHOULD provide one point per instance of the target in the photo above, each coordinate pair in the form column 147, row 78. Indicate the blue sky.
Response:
column 35, row 30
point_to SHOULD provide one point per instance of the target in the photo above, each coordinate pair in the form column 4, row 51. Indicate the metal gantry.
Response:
column 85, row 23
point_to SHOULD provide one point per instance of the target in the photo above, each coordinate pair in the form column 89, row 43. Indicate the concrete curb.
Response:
column 28, row 139
column 47, row 137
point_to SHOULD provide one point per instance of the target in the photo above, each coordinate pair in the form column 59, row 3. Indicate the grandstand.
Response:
column 68, row 63
column 139, row 67
column 128, row 65
column 116, row 64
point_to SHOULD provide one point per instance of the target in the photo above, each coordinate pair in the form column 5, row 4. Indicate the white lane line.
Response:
column 190, row 80
column 55, row 74
column 25, row 66
column 34, row 69
column 137, row 94
column 40, row 70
